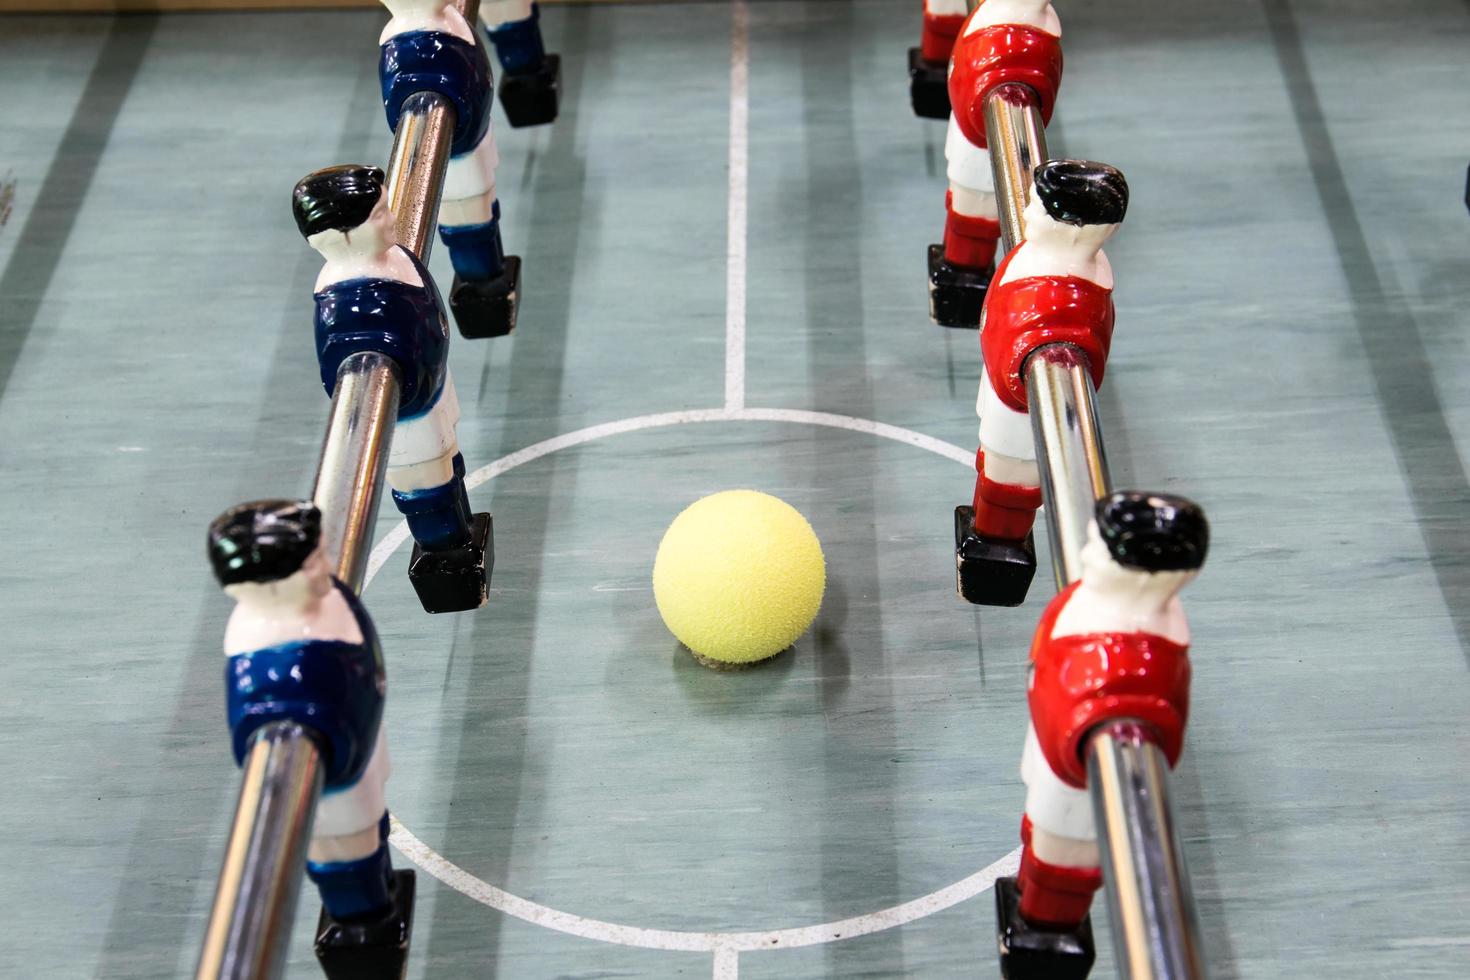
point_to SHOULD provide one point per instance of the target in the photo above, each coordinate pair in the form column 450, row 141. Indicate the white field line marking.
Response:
column 727, row 964
column 395, row 538
column 725, row 945
column 735, row 219
column 883, row 430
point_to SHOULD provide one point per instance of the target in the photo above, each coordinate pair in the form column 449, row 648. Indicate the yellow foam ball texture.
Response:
column 739, row 576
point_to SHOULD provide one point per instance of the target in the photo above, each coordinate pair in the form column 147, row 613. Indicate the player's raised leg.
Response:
column 995, row 553
column 530, row 79
column 485, row 296
column 961, row 268
column 929, row 62
column 453, row 550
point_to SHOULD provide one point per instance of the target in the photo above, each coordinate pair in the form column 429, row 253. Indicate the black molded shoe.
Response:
column 990, row 573
column 458, row 579
column 956, row 294
column 1031, row 953
column 376, row 949
column 487, row 307
column 928, row 86
column 531, row 99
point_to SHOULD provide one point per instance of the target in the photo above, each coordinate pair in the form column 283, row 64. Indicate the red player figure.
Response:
column 1113, row 646
column 929, row 62
column 1003, row 41
column 1055, row 287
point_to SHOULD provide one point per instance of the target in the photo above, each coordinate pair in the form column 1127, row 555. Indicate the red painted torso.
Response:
column 1083, row 680
column 996, row 55
column 1024, row 314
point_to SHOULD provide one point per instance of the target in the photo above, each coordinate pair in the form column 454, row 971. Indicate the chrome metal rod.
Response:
column 255, row 901
column 416, row 169
column 1156, row 934
column 349, row 480
column 1017, row 141
column 1073, row 464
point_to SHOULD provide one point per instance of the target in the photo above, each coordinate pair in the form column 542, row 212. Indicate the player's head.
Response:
column 1078, row 200
column 1153, row 532
column 1081, row 192
column 264, row 544
column 1142, row 548
column 338, row 201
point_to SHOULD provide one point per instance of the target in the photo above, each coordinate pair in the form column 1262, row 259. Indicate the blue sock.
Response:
column 518, row 44
column 464, row 491
column 475, row 251
column 356, row 889
column 438, row 517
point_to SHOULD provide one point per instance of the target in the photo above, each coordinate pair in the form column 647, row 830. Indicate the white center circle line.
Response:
column 724, row 945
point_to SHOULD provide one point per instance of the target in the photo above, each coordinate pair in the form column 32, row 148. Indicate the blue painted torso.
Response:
column 433, row 61
column 334, row 687
column 404, row 321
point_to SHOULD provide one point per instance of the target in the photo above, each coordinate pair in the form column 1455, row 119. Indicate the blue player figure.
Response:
column 300, row 647
column 374, row 295
column 429, row 47
column 530, row 78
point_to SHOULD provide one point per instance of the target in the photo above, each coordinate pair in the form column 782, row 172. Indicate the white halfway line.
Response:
column 739, row 166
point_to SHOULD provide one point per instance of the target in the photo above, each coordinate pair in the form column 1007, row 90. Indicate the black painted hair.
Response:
column 337, row 198
column 264, row 541
column 1154, row 532
column 1080, row 192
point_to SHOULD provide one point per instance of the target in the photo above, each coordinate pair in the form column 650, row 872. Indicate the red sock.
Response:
column 1004, row 511
column 1026, row 847
column 1054, row 896
column 969, row 241
column 937, row 41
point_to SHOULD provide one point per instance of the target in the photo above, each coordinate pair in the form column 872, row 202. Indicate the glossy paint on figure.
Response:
column 299, row 646
column 1112, row 646
column 343, row 214
column 1004, row 41
column 1056, row 286
column 428, row 46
